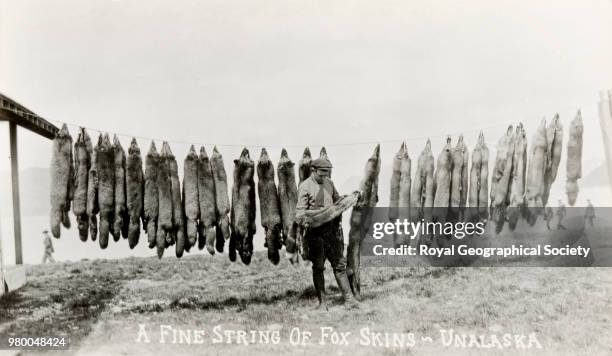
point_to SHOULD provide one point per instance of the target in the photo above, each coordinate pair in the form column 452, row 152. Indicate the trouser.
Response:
column 590, row 219
column 47, row 256
column 326, row 243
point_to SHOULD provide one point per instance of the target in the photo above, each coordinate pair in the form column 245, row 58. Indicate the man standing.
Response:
column 325, row 241
column 48, row 248
column 589, row 214
column 560, row 215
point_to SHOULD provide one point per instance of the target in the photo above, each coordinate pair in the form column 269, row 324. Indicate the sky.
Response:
column 295, row 73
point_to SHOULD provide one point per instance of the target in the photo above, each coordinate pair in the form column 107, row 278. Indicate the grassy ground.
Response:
column 101, row 304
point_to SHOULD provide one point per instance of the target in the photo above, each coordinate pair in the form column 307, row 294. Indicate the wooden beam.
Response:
column 15, row 187
column 1, row 262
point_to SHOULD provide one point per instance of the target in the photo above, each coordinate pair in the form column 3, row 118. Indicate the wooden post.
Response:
column 1, row 262
column 605, row 120
column 15, row 187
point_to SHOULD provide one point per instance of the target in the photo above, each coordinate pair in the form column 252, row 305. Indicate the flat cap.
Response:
column 321, row 163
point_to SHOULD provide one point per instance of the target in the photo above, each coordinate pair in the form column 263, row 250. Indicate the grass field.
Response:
column 101, row 303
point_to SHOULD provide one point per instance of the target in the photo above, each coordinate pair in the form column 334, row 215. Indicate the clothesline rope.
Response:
column 360, row 143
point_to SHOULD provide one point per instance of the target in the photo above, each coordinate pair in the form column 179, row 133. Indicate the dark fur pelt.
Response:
column 287, row 197
column 92, row 192
column 323, row 155
column 304, row 165
column 134, row 182
column 62, row 180
column 243, row 206
column 83, row 151
column 166, row 212
column 106, row 188
column 222, row 203
column 207, row 205
column 361, row 217
column 121, row 218
column 269, row 206
column 190, row 196
column 151, row 202
column 178, row 231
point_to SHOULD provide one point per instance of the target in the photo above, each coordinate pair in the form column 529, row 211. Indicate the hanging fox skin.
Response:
column 361, row 216
column 442, row 181
column 474, row 186
column 207, row 203
column 517, row 183
column 92, row 192
column 177, row 234
column 483, row 194
column 151, row 200
column 191, row 195
column 394, row 194
column 535, row 173
column 458, row 177
column 134, row 182
column 304, row 165
column 405, row 185
column 222, row 202
column 287, row 196
column 554, row 141
column 243, row 206
column 165, row 223
column 574, row 159
column 269, row 206
column 61, row 177
column 120, row 220
column 83, row 151
column 500, row 197
column 106, row 188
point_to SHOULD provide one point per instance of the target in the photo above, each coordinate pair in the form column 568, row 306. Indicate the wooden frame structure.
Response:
column 18, row 115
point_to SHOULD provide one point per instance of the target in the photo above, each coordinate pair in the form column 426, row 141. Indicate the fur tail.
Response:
column 104, row 232
column 133, row 233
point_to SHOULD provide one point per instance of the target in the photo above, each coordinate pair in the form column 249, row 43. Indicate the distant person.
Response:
column 589, row 214
column 548, row 216
column 48, row 248
column 561, row 211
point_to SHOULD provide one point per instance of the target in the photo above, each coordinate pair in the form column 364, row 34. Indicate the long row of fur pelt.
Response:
column 243, row 209
column 269, row 206
column 62, row 181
